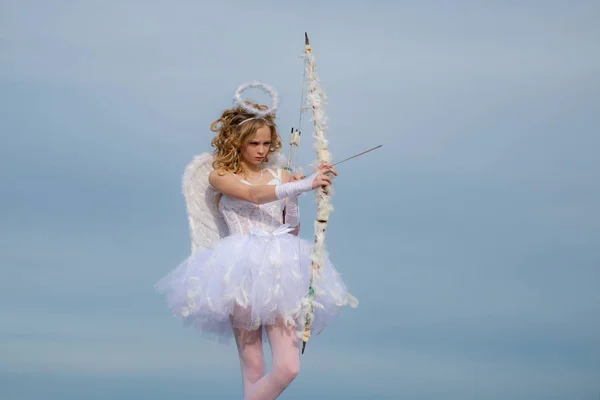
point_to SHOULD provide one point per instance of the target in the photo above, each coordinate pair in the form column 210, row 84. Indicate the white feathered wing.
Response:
column 206, row 223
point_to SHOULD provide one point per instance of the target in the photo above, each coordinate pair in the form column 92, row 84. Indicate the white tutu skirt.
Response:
column 247, row 281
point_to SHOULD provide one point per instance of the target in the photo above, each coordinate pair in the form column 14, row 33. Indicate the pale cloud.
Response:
column 469, row 238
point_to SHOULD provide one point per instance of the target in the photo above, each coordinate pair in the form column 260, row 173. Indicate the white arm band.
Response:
column 291, row 189
column 292, row 212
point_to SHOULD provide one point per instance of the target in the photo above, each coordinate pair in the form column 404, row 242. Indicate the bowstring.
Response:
column 302, row 95
column 301, row 325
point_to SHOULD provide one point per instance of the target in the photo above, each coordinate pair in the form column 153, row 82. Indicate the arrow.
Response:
column 356, row 155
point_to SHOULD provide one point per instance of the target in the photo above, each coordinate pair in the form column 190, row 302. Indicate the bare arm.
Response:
column 230, row 186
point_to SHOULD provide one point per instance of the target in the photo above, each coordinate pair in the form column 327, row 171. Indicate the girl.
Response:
column 249, row 278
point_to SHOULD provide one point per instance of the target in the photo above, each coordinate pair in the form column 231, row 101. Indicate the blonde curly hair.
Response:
column 232, row 135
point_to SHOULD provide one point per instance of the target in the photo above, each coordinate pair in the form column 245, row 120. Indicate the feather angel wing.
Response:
column 206, row 223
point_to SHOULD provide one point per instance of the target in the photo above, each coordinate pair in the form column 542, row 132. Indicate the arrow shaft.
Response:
column 356, row 155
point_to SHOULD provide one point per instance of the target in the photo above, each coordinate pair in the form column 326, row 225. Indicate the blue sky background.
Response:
column 472, row 238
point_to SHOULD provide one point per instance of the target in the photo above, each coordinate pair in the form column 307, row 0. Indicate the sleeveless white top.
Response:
column 241, row 215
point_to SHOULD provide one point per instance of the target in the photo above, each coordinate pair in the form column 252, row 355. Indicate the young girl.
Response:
column 250, row 273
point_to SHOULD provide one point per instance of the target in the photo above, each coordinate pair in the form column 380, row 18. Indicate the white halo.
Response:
column 237, row 98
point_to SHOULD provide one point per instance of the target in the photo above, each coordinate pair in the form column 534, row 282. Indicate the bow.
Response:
column 281, row 230
column 316, row 100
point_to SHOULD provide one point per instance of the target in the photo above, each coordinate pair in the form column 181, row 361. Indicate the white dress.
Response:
column 257, row 273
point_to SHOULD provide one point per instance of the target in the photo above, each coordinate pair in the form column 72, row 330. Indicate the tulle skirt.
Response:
column 247, row 281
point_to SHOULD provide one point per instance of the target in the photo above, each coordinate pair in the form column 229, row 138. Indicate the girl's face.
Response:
column 257, row 147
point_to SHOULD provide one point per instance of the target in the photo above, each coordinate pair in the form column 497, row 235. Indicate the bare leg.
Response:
column 249, row 344
column 286, row 363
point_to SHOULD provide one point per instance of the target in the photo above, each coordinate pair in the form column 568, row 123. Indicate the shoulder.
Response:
column 279, row 173
column 218, row 177
column 285, row 175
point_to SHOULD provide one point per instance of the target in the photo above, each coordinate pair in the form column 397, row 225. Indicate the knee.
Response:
column 286, row 372
column 251, row 360
column 253, row 367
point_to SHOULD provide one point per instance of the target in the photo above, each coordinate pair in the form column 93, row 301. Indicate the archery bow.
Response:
column 316, row 100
